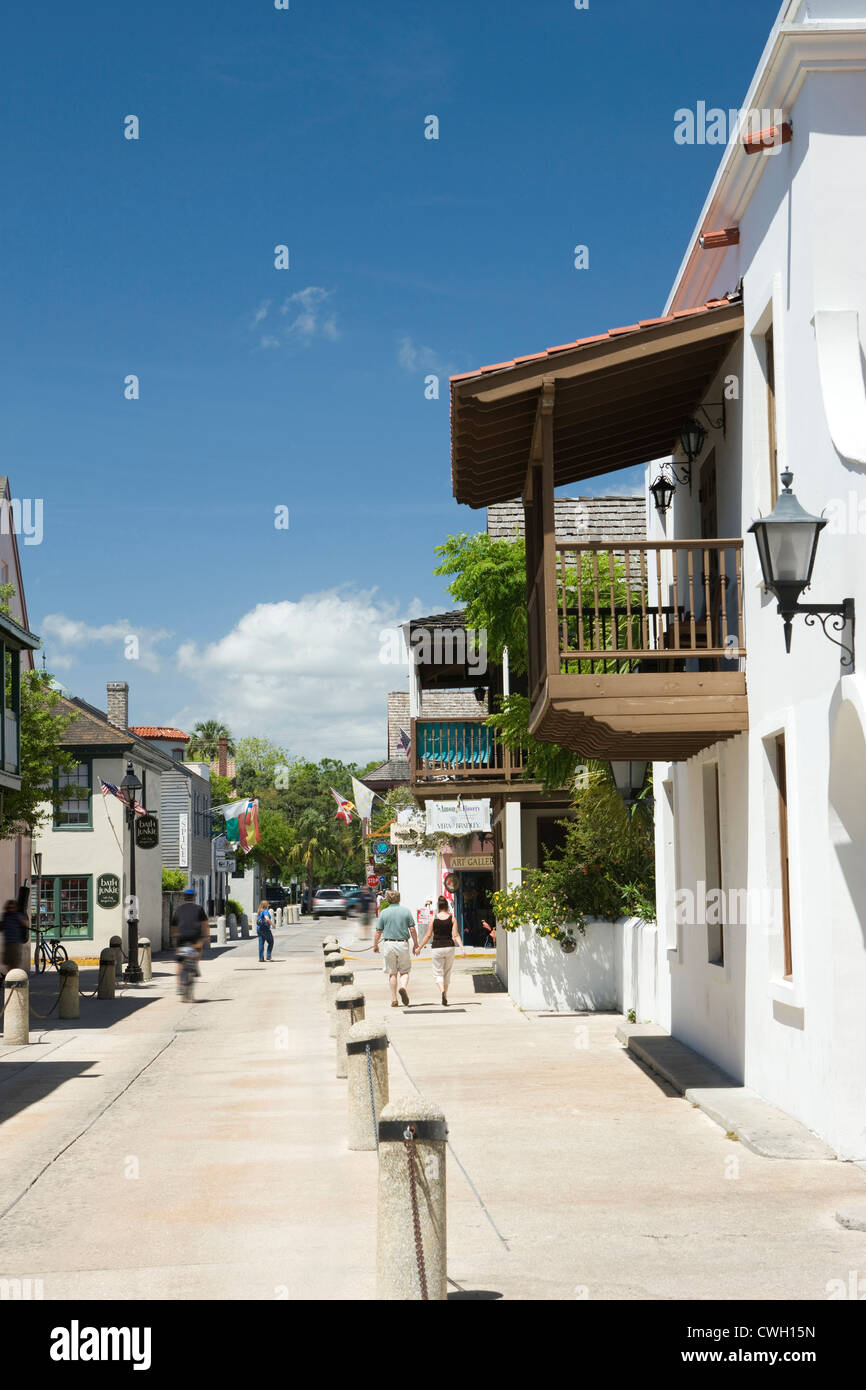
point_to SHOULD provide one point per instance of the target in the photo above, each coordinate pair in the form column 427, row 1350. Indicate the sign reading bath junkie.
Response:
column 108, row 890
column 458, row 817
column 146, row 832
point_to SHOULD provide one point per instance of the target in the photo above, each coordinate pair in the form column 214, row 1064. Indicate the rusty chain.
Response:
column 409, row 1141
column 372, row 1095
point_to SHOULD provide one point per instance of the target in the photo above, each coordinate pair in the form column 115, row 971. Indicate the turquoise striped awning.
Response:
column 457, row 743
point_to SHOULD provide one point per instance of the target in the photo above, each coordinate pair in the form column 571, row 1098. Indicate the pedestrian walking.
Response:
column 446, row 939
column 16, row 933
column 394, row 928
column 264, row 925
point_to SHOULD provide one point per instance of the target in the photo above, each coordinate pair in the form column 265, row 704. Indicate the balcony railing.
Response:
column 644, row 606
column 461, row 750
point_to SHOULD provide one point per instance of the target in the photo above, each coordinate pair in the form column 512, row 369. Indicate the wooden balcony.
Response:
column 637, row 651
column 450, row 757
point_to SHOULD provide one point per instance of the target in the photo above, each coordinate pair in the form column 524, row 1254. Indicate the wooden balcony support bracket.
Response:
column 543, row 407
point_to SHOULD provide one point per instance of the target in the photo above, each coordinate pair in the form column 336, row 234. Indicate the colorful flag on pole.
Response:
column 242, row 823
column 364, row 802
column 345, row 807
column 405, row 740
column 109, row 789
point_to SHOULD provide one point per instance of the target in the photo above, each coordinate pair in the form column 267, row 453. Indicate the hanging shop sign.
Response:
column 183, row 840
column 407, row 832
column 146, row 832
column 108, row 890
column 471, row 861
column 381, row 847
column 458, row 817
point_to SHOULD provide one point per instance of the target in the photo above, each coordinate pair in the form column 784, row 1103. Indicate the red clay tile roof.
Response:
column 598, row 338
column 156, row 731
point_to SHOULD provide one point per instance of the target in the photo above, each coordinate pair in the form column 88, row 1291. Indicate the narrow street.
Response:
column 157, row 1150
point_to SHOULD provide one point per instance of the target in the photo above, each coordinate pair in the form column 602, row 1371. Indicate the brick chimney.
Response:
column 223, row 764
column 118, row 704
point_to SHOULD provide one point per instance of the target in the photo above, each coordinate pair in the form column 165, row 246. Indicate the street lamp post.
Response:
column 37, row 869
column 133, row 973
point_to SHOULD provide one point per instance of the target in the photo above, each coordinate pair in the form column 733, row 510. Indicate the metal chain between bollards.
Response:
column 53, row 1006
column 372, row 1095
column 409, row 1141
column 81, row 992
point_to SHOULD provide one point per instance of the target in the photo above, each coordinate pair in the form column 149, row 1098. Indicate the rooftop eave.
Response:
column 792, row 51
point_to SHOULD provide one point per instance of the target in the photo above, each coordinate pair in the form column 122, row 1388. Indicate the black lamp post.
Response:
column 133, row 973
column 787, row 541
column 663, row 492
column 37, row 869
column 629, row 778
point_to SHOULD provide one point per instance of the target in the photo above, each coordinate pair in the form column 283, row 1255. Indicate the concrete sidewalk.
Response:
column 186, row 1151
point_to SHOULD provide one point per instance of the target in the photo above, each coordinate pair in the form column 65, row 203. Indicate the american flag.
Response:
column 109, row 789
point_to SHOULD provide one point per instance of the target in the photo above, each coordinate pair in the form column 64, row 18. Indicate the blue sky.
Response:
column 304, row 388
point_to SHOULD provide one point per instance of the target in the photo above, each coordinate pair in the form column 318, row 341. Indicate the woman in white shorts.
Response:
column 446, row 939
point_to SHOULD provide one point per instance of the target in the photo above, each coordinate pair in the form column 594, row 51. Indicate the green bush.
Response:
column 234, row 907
column 604, row 869
column 173, row 880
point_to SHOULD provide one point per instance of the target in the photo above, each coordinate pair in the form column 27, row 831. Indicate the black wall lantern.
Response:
column 787, row 541
column 663, row 492
column 629, row 778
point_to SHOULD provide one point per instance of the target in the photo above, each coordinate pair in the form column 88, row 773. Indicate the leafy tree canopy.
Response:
column 43, row 724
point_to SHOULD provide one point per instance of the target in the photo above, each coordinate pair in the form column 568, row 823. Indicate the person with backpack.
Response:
column 264, row 923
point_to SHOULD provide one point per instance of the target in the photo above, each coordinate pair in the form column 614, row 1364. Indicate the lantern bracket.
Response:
column 842, row 616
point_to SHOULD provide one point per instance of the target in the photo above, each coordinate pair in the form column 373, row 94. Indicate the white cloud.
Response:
column 415, row 358
column 68, row 637
column 306, row 674
column 307, row 318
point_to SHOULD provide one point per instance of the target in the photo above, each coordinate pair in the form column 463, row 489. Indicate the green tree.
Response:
column 260, row 766
column 204, row 743
column 43, row 724
column 222, row 790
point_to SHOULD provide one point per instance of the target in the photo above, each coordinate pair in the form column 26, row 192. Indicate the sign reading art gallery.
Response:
column 108, row 890
column 471, row 861
column 146, row 832
column 458, row 817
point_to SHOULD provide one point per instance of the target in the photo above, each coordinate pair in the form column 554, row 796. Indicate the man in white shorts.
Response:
column 394, row 929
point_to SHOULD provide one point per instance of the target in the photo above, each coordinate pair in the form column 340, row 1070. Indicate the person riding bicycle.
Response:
column 189, row 925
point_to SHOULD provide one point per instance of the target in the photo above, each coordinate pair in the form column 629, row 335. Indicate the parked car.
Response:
column 329, row 902
column 347, row 888
column 358, row 902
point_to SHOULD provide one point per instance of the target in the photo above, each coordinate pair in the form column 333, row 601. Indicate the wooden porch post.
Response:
column 548, row 522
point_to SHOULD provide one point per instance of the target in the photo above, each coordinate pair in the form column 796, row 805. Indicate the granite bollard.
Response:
column 69, row 997
column 221, row 931
column 348, row 1009
column 116, row 945
column 340, row 976
column 367, row 1067
column 16, row 1019
column 412, row 1139
column 145, row 958
column 107, row 980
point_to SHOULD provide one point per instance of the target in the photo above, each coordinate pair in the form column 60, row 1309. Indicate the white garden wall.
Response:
column 614, row 968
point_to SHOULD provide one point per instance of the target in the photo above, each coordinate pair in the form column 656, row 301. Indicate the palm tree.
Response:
column 313, row 850
column 205, row 741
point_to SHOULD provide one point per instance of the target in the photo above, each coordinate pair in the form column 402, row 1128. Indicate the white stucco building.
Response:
column 779, row 999
column 666, row 646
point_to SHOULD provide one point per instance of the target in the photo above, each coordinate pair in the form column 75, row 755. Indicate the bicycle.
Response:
column 188, row 957
column 49, row 952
